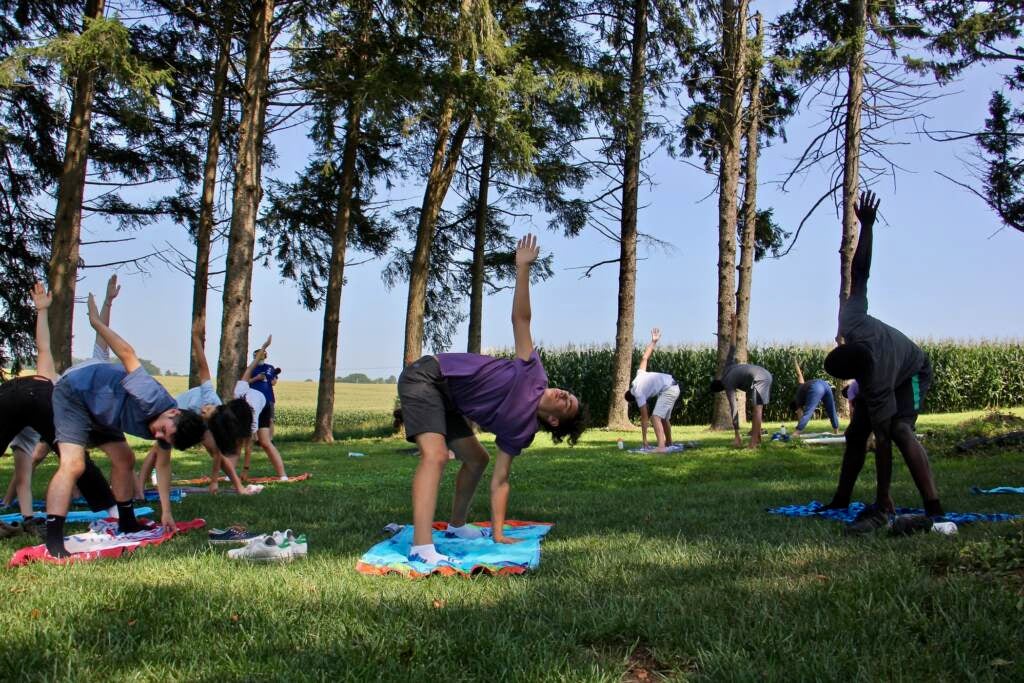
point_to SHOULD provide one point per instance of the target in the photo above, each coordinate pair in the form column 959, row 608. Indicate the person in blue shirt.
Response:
column 96, row 404
column 808, row 396
column 263, row 377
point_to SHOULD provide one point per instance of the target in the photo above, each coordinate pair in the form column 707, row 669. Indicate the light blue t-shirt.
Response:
column 118, row 400
column 197, row 397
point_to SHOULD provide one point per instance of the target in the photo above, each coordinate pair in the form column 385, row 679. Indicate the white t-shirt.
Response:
column 256, row 400
column 197, row 397
column 647, row 385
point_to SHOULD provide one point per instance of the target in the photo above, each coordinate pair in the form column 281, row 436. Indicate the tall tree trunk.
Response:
column 851, row 145
column 205, row 231
column 324, row 430
column 748, row 239
column 442, row 169
column 476, row 293
column 67, row 225
column 234, row 345
column 618, row 417
column 734, row 20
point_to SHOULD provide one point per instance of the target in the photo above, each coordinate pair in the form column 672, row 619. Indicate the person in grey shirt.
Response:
column 750, row 378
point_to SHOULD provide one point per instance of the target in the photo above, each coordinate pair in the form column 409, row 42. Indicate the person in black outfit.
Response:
column 893, row 375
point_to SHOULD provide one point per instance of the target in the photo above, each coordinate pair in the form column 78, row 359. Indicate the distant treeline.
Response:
column 360, row 378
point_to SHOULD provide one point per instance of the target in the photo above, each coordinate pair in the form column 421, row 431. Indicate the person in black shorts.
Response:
column 893, row 375
column 26, row 422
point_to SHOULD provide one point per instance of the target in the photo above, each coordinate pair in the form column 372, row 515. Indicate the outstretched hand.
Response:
column 113, row 289
column 40, row 297
column 527, row 250
column 655, row 335
column 266, row 344
column 94, row 312
column 867, row 207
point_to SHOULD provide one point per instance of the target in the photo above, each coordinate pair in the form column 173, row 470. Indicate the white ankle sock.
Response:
column 428, row 553
column 284, row 477
column 465, row 531
column 112, row 511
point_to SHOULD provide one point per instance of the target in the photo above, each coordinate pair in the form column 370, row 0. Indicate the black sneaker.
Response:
column 867, row 520
column 905, row 525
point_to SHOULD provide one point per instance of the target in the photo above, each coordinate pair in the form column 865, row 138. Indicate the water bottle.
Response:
column 621, row 444
column 782, row 430
column 944, row 528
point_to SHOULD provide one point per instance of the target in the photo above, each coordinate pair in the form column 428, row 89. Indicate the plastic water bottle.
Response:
column 621, row 444
column 782, row 430
column 944, row 528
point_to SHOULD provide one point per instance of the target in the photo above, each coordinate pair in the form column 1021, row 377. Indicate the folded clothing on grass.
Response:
column 469, row 557
column 75, row 515
column 813, row 509
column 998, row 490
column 102, row 540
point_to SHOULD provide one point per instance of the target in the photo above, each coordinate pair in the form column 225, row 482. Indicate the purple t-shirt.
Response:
column 499, row 394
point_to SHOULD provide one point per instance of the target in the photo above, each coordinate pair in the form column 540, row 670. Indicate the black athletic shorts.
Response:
column 426, row 402
column 266, row 416
column 910, row 395
column 26, row 402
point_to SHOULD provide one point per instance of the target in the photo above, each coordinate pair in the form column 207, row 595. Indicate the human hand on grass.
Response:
column 168, row 523
column 40, row 297
column 527, row 251
column 214, row 487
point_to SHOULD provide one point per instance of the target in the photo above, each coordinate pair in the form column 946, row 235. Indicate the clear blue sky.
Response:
column 938, row 270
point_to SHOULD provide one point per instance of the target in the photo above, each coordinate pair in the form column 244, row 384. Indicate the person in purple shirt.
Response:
column 509, row 398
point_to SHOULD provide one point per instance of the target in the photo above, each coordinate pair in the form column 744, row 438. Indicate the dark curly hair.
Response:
column 189, row 430
column 229, row 423
column 569, row 430
column 716, row 386
column 630, row 398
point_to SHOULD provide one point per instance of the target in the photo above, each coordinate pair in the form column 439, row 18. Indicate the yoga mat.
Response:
column 848, row 514
column 998, row 490
column 102, row 540
column 204, row 490
column 830, row 439
column 471, row 557
column 201, row 481
column 674, row 448
column 75, row 515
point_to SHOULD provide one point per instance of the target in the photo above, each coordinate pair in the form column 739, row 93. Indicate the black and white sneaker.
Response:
column 867, row 520
column 905, row 525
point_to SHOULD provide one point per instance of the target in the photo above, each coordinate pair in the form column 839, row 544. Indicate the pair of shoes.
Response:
column 9, row 530
column 867, row 520
column 280, row 546
column 905, row 525
column 35, row 527
column 233, row 534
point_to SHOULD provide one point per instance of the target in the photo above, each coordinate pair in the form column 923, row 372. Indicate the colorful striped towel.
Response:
column 471, row 556
column 997, row 490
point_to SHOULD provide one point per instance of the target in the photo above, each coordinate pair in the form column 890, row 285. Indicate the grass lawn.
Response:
column 658, row 567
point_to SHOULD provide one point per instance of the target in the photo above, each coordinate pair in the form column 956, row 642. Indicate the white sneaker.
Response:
column 298, row 545
column 262, row 550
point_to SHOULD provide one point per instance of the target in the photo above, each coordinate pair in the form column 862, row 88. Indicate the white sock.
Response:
column 465, row 531
column 112, row 512
column 428, row 554
column 284, row 477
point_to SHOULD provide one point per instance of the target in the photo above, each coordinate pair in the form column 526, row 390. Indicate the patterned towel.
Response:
column 203, row 481
column 674, row 448
column 997, row 490
column 471, row 557
column 75, row 515
column 102, row 540
column 847, row 515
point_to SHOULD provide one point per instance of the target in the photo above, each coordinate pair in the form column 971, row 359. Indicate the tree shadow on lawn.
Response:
column 710, row 614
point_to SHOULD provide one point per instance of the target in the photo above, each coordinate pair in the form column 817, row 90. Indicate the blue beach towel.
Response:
column 997, row 490
column 151, row 494
column 471, row 556
column 848, row 515
column 75, row 515
column 674, row 448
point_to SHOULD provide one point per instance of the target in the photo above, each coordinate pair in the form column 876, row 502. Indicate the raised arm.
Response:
column 204, row 367
column 113, row 289
column 44, row 357
column 799, row 373
column 655, row 336
column 256, row 360
column 526, row 253
column 866, row 210
column 122, row 349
